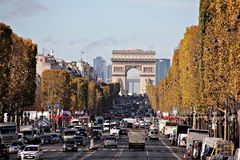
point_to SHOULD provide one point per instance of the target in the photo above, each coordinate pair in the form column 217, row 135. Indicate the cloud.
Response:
column 50, row 41
column 102, row 43
column 160, row 3
column 107, row 42
column 80, row 41
column 20, row 8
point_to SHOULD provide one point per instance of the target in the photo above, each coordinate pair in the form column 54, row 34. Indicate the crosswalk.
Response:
column 118, row 149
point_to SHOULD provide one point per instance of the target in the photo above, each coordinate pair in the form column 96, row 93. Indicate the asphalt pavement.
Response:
column 155, row 150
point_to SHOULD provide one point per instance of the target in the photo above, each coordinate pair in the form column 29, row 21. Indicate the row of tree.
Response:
column 21, row 89
column 206, row 65
column 74, row 93
column 17, row 73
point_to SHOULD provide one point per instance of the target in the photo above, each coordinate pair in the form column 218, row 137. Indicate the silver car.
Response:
column 110, row 141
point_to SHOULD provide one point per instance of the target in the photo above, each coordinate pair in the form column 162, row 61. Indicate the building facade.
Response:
column 162, row 66
column 45, row 62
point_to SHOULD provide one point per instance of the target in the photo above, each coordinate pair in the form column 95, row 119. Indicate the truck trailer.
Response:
column 136, row 138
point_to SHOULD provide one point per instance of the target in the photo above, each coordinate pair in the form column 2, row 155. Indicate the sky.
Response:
column 96, row 27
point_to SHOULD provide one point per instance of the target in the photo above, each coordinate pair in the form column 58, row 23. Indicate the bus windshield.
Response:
column 171, row 124
column 8, row 130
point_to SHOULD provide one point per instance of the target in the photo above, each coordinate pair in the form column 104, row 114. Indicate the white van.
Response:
column 195, row 134
column 182, row 140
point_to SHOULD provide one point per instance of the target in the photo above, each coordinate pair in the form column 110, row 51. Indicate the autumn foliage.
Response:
column 17, row 72
column 206, row 65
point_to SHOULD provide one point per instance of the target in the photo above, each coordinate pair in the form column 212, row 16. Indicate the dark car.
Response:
column 123, row 131
column 14, row 147
column 82, row 132
column 55, row 138
column 96, row 134
column 46, row 139
column 80, row 140
column 129, row 125
column 4, row 151
column 70, row 144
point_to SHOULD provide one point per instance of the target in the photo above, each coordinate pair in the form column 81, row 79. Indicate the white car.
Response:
column 31, row 152
column 114, row 131
column 110, row 141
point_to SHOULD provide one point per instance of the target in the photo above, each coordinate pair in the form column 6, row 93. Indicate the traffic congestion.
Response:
column 130, row 130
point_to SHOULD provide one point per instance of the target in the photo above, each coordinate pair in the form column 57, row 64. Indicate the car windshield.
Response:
column 82, row 130
column 54, row 135
column 110, row 138
column 69, row 133
column 47, row 137
column 78, row 138
column 22, row 147
column 70, row 142
column 31, row 149
column 17, row 143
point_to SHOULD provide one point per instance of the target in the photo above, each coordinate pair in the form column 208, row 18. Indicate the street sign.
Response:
column 49, row 107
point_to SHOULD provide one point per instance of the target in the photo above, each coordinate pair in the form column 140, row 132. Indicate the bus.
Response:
column 8, row 132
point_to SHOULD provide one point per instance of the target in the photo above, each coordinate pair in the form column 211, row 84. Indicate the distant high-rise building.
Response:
column 109, row 73
column 99, row 65
column 162, row 66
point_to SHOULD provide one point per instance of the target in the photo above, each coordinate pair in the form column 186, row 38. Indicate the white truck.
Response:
column 162, row 124
column 208, row 146
column 169, row 128
column 136, row 138
column 195, row 134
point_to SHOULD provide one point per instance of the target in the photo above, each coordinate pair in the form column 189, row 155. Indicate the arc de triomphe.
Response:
column 124, row 60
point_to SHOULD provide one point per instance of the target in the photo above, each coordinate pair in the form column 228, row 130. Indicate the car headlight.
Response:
column 75, row 145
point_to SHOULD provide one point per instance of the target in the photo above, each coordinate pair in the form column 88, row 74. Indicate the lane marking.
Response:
column 118, row 156
column 173, row 153
column 147, row 153
column 88, row 155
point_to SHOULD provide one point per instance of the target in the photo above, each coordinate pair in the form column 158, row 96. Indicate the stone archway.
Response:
column 124, row 60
